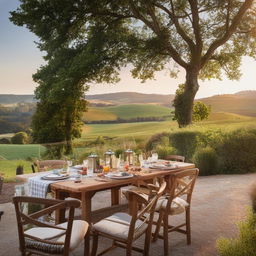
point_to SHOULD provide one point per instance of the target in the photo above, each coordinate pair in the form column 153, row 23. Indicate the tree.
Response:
column 204, row 37
column 200, row 111
column 20, row 138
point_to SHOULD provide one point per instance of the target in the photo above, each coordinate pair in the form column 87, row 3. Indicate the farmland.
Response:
column 126, row 112
column 12, row 152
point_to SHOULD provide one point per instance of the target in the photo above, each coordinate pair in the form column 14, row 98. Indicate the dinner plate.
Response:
column 118, row 176
column 162, row 167
column 79, row 166
column 53, row 176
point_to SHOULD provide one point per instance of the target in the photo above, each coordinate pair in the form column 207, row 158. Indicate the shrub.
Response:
column 185, row 143
column 210, row 138
column 206, row 160
column 245, row 244
column 5, row 141
column 20, row 138
column 157, row 139
column 237, row 152
column 164, row 151
column 84, row 155
column 119, row 152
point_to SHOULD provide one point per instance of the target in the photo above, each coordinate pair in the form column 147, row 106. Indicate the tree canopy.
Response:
column 88, row 41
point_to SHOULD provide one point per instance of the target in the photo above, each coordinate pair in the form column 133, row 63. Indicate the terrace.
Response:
column 218, row 203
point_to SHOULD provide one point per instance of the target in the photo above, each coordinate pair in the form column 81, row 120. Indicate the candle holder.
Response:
column 108, row 158
column 93, row 162
column 128, row 155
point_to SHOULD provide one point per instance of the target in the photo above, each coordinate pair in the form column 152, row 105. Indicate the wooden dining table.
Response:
column 89, row 186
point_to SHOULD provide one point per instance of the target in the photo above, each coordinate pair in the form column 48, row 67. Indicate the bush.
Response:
column 206, row 160
column 237, row 152
column 20, row 138
column 245, row 244
column 185, row 143
column 157, row 139
column 164, row 151
column 5, row 141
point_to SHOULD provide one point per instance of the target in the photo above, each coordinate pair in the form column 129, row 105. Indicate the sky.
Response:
column 20, row 58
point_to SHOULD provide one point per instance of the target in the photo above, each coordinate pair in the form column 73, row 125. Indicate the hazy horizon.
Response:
column 20, row 58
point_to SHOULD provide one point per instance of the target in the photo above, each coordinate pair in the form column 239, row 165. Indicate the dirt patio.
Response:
column 218, row 203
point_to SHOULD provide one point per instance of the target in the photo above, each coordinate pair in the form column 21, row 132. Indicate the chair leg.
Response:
column 87, row 243
column 165, row 234
column 188, row 228
column 158, row 226
column 147, row 241
column 128, row 249
column 94, row 245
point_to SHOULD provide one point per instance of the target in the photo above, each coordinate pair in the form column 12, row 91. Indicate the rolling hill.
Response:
column 121, row 98
column 13, row 98
column 242, row 103
column 109, row 105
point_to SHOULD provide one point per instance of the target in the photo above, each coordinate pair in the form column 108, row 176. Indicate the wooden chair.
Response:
column 175, row 158
column 47, row 238
column 124, row 228
column 177, row 201
column 49, row 164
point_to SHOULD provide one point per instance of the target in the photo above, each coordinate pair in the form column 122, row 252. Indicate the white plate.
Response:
column 79, row 166
column 118, row 176
column 53, row 176
column 162, row 167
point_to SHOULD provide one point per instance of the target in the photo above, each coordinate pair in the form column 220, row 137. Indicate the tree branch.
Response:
column 245, row 6
column 168, row 46
column 175, row 21
column 196, row 25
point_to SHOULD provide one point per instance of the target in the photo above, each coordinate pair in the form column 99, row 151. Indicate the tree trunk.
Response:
column 184, row 99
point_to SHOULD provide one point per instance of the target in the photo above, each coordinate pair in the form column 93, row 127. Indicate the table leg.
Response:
column 60, row 214
column 86, row 205
column 115, row 196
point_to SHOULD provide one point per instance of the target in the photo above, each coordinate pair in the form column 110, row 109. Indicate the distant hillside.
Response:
column 13, row 99
column 242, row 103
column 121, row 98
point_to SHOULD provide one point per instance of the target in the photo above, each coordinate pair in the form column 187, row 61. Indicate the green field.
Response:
column 146, row 129
column 15, row 152
column 8, row 168
column 126, row 112
column 120, row 135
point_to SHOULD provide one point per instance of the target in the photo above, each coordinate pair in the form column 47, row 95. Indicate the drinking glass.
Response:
column 154, row 156
column 141, row 159
column 89, row 172
column 85, row 163
column 106, row 169
column 69, row 163
column 78, row 177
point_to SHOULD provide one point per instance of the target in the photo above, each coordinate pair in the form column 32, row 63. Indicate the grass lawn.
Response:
column 16, row 152
column 8, row 168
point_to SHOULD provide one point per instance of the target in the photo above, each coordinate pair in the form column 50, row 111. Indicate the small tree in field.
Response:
column 200, row 111
column 91, row 40
column 20, row 138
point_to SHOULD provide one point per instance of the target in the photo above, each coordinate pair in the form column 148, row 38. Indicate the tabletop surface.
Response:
column 97, row 183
